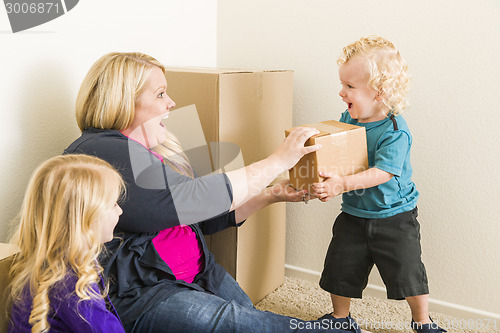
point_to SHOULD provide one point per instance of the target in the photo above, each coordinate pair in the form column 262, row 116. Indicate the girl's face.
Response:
column 151, row 106
column 363, row 102
column 105, row 225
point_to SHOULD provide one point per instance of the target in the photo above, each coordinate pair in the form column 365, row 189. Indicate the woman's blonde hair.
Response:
column 65, row 197
column 388, row 70
column 108, row 94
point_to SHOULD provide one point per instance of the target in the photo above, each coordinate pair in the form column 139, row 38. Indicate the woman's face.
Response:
column 151, row 106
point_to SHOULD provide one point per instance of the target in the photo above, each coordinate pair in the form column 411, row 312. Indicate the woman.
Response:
column 163, row 278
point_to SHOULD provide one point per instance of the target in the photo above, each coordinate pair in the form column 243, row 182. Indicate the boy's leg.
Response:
column 341, row 306
column 348, row 261
column 395, row 247
column 419, row 306
column 347, row 266
column 397, row 254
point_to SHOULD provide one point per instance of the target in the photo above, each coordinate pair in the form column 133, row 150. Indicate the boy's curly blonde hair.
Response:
column 387, row 69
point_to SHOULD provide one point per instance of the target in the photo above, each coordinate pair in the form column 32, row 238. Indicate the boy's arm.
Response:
column 335, row 185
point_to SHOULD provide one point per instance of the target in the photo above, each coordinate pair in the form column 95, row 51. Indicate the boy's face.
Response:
column 363, row 102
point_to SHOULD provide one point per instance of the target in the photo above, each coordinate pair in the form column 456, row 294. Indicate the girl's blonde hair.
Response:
column 108, row 94
column 65, row 197
column 388, row 70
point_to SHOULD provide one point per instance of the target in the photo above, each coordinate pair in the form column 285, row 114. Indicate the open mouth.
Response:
column 349, row 106
column 162, row 119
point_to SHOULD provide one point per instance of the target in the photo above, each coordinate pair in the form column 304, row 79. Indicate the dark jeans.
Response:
column 193, row 311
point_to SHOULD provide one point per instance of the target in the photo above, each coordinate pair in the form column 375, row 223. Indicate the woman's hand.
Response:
column 283, row 191
column 291, row 150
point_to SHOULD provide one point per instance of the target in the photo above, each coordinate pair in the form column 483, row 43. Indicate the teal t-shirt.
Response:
column 388, row 150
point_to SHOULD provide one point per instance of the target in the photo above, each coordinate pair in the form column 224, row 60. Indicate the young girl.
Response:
column 378, row 224
column 69, row 210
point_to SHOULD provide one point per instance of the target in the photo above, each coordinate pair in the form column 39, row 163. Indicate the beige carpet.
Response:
column 306, row 300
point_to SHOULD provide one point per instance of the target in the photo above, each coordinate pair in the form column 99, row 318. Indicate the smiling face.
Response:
column 363, row 102
column 151, row 106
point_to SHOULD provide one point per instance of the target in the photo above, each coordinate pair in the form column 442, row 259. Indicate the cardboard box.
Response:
column 343, row 153
column 251, row 109
column 6, row 255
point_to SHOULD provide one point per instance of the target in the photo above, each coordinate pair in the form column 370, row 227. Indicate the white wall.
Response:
column 452, row 48
column 42, row 69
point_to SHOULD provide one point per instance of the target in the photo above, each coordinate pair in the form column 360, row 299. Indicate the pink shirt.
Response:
column 179, row 248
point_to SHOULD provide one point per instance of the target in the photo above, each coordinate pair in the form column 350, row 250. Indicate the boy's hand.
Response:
column 332, row 186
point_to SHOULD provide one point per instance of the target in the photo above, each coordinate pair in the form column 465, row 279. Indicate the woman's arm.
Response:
column 248, row 182
column 158, row 198
column 279, row 192
column 193, row 200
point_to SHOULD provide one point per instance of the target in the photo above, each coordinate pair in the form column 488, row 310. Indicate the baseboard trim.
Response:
column 456, row 310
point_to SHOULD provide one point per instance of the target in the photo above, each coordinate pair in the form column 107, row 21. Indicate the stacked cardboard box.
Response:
column 249, row 109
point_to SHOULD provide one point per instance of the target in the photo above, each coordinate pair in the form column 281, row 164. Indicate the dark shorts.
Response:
column 393, row 244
